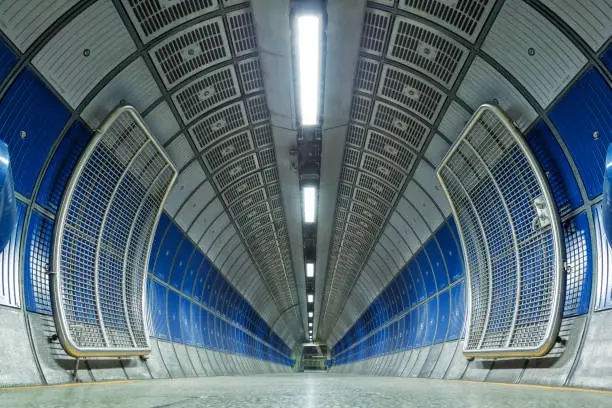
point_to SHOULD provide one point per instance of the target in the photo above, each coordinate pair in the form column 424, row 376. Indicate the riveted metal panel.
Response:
column 426, row 50
column 483, row 84
column 511, row 238
column 187, row 181
column 162, row 122
column 194, row 205
column 191, row 51
column 591, row 19
column 180, row 151
column 103, row 239
column 134, row 84
column 537, row 53
column 84, row 51
column 24, row 21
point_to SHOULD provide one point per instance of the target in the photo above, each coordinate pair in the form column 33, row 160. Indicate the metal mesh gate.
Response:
column 510, row 233
column 103, row 238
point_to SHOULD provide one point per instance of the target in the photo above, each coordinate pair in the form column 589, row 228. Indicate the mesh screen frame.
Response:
column 88, row 325
column 504, row 336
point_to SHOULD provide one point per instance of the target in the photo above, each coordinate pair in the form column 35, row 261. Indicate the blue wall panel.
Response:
column 437, row 263
column 606, row 58
column 61, row 166
column 158, row 237
column 457, row 311
column 191, row 272
column 200, row 282
column 7, row 60
column 167, row 251
column 443, row 316
column 179, row 264
column 554, row 163
column 196, row 321
column 585, row 109
column 426, row 273
column 158, row 310
column 31, row 108
column 9, row 264
column 451, row 252
column 174, row 316
column 431, row 324
column 186, row 325
column 37, row 264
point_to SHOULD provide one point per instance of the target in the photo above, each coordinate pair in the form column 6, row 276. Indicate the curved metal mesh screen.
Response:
column 103, row 238
column 511, row 239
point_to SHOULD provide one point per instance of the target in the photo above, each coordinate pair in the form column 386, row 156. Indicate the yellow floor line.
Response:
column 31, row 387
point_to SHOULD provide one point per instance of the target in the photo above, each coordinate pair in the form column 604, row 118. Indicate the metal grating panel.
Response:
column 464, row 17
column 355, row 135
column 267, row 157
column 154, row 17
column 227, row 150
column 511, row 238
column 351, row 157
column 375, row 28
column 427, row 50
column 206, row 93
column 382, row 170
column 218, row 124
column 191, row 51
column 263, row 135
column 537, row 54
column 247, row 185
column 411, row 92
column 242, row 31
column 406, row 128
column 103, row 237
column 360, row 108
column 375, row 186
column 251, row 75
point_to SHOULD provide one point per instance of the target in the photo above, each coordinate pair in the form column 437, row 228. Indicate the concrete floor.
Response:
column 311, row 390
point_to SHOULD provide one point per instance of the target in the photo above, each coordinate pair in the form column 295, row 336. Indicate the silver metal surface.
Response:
column 103, row 238
column 511, row 238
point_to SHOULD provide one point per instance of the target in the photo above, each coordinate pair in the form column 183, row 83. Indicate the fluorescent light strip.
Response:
column 310, row 314
column 310, row 270
column 310, row 204
column 309, row 66
column 310, row 298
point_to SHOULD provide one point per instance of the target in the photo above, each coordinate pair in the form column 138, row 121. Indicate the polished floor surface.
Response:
column 316, row 390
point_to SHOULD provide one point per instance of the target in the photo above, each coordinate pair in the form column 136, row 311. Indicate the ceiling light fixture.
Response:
column 310, row 298
column 310, row 314
column 310, row 324
column 309, row 196
column 310, row 270
column 308, row 44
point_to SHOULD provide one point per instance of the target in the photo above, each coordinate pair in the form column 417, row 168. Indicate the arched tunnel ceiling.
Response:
column 214, row 81
column 423, row 68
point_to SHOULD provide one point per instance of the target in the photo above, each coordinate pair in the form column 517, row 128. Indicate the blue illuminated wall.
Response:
column 189, row 301
column 425, row 303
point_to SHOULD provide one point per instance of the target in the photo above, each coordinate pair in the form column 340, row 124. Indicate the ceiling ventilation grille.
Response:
column 207, row 92
column 406, row 128
column 426, row 50
column 235, row 171
column 382, row 170
column 227, row 150
column 356, row 135
column 190, row 51
column 247, row 199
column 376, row 187
column 463, row 17
column 242, row 32
column 251, row 75
column 152, row 18
column 391, row 150
column 366, row 75
column 258, row 108
column 360, row 108
column 375, row 28
column 221, row 123
column 411, row 93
